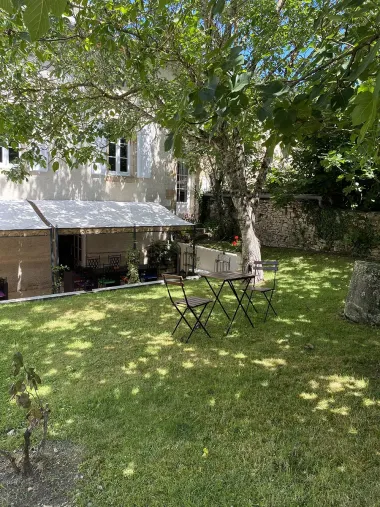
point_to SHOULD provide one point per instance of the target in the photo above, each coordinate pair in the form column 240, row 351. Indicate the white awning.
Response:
column 19, row 216
column 85, row 215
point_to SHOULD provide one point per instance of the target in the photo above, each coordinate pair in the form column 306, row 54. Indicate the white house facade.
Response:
column 137, row 171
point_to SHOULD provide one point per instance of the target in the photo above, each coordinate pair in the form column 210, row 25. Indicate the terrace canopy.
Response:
column 18, row 218
column 99, row 217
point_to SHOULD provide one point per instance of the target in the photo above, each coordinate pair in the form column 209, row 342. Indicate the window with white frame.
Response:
column 182, row 182
column 118, row 157
column 8, row 156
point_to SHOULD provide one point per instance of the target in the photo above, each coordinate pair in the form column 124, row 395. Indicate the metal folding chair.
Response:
column 114, row 261
column 93, row 262
column 186, row 304
column 268, row 290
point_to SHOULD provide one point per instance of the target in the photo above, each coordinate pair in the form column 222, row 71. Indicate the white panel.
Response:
column 146, row 140
column 101, row 169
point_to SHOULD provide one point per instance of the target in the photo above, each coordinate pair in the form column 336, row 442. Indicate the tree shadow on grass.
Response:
column 237, row 414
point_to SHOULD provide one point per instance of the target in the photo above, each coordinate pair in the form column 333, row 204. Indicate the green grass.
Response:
column 282, row 424
column 226, row 246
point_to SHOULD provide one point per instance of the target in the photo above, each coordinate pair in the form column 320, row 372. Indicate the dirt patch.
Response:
column 52, row 484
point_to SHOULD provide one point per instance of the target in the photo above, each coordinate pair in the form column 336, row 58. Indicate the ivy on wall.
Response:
column 355, row 231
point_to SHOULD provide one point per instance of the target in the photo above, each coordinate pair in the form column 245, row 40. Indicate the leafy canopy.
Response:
column 257, row 72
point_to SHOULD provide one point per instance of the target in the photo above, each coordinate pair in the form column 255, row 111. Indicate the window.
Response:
column 8, row 156
column 118, row 157
column 182, row 180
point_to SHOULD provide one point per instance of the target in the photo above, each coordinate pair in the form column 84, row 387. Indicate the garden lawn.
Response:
column 286, row 414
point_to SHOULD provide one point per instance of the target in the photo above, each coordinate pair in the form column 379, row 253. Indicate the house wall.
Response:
column 86, row 184
column 25, row 262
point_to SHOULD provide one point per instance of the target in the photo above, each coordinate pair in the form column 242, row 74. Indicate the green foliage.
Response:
column 354, row 230
column 132, row 261
column 58, row 277
column 361, row 237
column 162, row 253
column 24, row 391
column 331, row 165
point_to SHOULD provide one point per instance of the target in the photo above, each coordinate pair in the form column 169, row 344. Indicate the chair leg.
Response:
column 198, row 321
column 250, row 298
column 180, row 320
column 269, row 300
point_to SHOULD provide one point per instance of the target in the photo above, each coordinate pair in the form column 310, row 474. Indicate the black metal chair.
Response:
column 187, row 303
column 93, row 262
column 268, row 290
column 114, row 261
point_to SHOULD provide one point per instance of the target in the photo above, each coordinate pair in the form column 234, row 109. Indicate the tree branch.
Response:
column 351, row 52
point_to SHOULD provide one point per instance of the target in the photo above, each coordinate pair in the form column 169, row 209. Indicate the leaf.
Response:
column 7, row 6
column 284, row 120
column 218, row 7
column 242, row 80
column 244, row 100
column 340, row 99
column 363, row 108
column 36, row 18
column 23, row 400
column 264, row 112
column 18, row 359
column 35, row 413
column 57, row 7
column 206, row 94
column 364, row 64
column 372, row 116
column 177, row 145
column 55, row 165
column 272, row 88
column 169, row 141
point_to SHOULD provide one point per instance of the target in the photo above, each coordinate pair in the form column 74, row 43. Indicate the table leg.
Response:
column 239, row 305
column 217, row 299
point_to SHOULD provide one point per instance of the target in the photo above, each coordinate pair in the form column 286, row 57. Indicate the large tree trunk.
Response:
column 250, row 242
column 236, row 168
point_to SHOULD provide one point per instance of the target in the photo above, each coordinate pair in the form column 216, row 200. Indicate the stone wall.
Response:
column 25, row 262
column 303, row 224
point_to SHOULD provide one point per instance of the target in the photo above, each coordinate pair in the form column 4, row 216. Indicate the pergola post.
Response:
column 56, row 245
column 134, row 237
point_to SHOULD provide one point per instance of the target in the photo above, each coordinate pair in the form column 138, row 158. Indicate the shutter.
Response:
column 45, row 154
column 101, row 169
column 146, row 141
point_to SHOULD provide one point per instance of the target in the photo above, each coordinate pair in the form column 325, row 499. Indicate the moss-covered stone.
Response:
column 363, row 300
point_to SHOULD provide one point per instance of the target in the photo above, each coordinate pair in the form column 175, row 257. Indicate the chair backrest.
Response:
column 270, row 265
column 93, row 262
column 114, row 261
column 266, row 265
column 173, row 280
